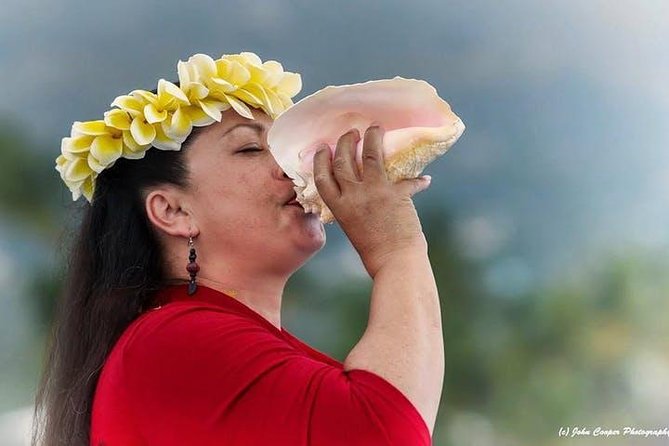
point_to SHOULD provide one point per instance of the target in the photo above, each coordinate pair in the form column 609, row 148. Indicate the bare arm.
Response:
column 403, row 341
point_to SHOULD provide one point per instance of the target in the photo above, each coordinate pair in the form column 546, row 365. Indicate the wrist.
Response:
column 415, row 247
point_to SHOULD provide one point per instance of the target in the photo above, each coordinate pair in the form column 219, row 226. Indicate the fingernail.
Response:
column 375, row 124
column 427, row 178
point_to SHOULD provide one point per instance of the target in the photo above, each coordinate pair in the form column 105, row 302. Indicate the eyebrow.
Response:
column 255, row 126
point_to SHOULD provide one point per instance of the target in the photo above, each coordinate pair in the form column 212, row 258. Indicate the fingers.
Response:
column 412, row 186
column 373, row 169
column 324, row 179
column 343, row 165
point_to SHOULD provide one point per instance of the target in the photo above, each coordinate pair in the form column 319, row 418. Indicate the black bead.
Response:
column 192, row 287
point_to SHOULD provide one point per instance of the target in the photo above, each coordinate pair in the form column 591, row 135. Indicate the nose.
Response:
column 278, row 173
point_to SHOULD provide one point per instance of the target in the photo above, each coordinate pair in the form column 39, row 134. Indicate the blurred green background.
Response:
column 548, row 221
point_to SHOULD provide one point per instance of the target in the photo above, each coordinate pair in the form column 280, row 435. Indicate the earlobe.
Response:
column 164, row 211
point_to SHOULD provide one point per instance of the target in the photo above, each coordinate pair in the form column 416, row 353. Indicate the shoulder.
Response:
column 191, row 323
column 191, row 348
column 182, row 339
column 196, row 352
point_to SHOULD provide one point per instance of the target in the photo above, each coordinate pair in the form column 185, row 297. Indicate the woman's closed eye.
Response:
column 250, row 149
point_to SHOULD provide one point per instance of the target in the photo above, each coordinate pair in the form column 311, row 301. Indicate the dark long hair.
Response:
column 114, row 270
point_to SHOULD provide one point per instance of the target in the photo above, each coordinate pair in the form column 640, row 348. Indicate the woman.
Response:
column 169, row 332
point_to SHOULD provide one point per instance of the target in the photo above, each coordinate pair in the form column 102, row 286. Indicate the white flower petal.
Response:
column 240, row 107
column 168, row 88
column 273, row 66
column 211, row 108
column 290, row 84
column 198, row 91
column 77, row 170
column 142, row 132
column 76, row 144
column 276, row 106
column 128, row 103
column 233, row 72
column 118, row 119
column 251, row 58
column 153, row 115
column 91, row 128
column 164, row 142
column 145, row 97
column 133, row 155
column 130, row 143
column 198, row 117
column 252, row 94
column 203, row 64
column 106, row 150
column 94, row 164
column 179, row 126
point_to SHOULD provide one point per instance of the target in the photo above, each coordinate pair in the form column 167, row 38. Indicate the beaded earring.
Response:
column 192, row 267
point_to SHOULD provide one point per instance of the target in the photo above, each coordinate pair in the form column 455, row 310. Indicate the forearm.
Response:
column 403, row 341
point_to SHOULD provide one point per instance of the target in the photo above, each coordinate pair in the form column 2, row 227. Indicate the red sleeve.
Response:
column 206, row 377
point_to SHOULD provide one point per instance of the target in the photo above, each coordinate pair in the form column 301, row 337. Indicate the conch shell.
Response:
column 419, row 127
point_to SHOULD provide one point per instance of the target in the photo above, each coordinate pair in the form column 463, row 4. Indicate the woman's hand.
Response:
column 377, row 216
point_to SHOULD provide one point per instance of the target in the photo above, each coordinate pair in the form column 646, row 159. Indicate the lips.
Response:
column 293, row 201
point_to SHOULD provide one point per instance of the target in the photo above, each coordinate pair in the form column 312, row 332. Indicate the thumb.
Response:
column 412, row 186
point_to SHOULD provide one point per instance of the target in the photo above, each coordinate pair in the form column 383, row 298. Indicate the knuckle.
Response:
column 339, row 164
column 370, row 156
column 321, row 179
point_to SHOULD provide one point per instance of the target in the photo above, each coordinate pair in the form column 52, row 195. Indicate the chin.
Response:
column 313, row 241
column 302, row 252
column 313, row 245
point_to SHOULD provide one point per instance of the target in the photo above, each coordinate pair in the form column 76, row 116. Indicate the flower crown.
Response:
column 164, row 119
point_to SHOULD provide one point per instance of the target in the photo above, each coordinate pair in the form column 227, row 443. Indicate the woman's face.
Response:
column 239, row 195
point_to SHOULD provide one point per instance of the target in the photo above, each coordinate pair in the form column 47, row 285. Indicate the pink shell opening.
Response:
column 419, row 127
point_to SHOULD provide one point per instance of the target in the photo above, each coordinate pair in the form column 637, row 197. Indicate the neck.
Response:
column 262, row 297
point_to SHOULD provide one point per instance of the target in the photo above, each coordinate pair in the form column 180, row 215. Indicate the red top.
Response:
column 208, row 370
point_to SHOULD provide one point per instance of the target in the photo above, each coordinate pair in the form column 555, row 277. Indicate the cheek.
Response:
column 242, row 198
column 253, row 191
column 238, row 199
column 226, row 182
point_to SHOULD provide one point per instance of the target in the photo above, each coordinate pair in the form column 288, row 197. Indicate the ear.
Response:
column 167, row 211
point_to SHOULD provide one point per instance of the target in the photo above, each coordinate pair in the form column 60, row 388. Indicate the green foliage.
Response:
column 29, row 184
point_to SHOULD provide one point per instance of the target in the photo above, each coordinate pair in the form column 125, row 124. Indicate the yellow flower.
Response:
column 143, row 119
column 91, row 147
